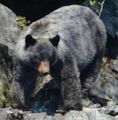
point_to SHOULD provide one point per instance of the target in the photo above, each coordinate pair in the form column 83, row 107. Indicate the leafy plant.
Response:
column 95, row 5
column 22, row 22
column 92, row 2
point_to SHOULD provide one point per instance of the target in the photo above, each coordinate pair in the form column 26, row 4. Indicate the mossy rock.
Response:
column 5, row 77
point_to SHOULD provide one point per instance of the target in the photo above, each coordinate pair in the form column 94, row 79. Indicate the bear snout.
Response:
column 43, row 68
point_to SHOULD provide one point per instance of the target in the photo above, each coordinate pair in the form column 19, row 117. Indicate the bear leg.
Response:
column 71, row 88
column 89, row 76
column 22, row 84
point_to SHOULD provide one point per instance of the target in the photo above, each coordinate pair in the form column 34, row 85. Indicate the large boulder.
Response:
column 9, row 30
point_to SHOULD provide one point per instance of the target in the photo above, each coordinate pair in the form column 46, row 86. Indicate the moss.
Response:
column 5, row 77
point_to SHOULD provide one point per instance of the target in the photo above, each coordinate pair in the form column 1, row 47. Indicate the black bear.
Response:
column 68, row 44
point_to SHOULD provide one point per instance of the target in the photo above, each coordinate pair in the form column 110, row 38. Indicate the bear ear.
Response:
column 29, row 41
column 55, row 40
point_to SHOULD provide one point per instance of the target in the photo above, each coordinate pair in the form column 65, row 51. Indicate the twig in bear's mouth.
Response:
column 40, row 85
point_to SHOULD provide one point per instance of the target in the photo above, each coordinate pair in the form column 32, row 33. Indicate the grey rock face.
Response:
column 8, row 35
column 5, row 76
column 111, row 110
column 87, row 115
column 8, row 27
column 107, row 88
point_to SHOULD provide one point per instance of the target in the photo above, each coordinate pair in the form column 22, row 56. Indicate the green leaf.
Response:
column 92, row 2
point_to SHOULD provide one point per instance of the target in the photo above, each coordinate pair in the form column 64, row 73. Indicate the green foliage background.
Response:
column 95, row 5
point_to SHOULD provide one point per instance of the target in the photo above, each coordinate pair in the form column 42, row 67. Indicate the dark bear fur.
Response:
column 73, row 40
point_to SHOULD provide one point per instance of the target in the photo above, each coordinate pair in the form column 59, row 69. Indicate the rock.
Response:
column 3, row 115
column 110, row 88
column 116, row 117
column 111, row 110
column 9, row 31
column 109, row 16
column 89, row 114
column 5, row 76
column 114, row 66
column 107, row 86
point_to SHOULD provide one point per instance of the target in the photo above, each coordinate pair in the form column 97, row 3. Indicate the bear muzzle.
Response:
column 43, row 68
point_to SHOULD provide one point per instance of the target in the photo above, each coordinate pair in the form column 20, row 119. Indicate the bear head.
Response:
column 41, row 54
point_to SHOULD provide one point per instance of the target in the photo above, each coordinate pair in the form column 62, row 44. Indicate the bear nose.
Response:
column 45, row 74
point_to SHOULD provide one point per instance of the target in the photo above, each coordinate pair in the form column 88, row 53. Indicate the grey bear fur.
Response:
column 75, row 60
